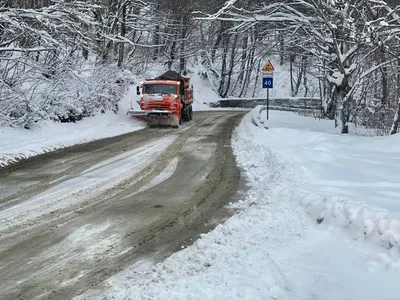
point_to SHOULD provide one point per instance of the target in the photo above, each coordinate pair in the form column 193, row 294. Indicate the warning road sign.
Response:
column 269, row 67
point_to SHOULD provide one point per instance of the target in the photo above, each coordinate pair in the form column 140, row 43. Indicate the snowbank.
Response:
column 348, row 181
column 316, row 258
column 16, row 143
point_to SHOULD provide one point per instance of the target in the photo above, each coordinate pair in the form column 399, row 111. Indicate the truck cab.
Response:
column 160, row 95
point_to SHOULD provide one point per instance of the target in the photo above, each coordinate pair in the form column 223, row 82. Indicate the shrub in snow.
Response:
column 65, row 96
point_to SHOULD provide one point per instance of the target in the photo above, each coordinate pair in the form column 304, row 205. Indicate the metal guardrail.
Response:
column 289, row 103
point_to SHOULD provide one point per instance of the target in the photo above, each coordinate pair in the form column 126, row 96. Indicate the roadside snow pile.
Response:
column 17, row 143
column 257, row 117
column 350, row 182
column 215, row 267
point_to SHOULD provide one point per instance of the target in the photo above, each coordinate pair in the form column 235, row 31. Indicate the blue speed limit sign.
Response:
column 268, row 82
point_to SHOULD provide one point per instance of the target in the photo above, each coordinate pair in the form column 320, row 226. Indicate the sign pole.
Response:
column 267, row 104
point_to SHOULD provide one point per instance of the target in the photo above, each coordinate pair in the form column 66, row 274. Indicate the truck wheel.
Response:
column 182, row 116
column 190, row 112
column 185, row 114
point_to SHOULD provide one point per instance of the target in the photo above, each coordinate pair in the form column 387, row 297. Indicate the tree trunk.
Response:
column 281, row 48
column 171, row 55
column 398, row 79
column 106, row 50
column 385, row 88
column 247, row 66
column 257, row 78
column 343, row 98
column 225, row 44
column 218, row 41
column 249, row 70
column 344, row 119
column 182, row 61
column 292, row 57
column 395, row 125
column 244, row 55
column 305, row 65
column 85, row 52
column 121, row 53
column 156, row 42
column 299, row 78
column 231, row 64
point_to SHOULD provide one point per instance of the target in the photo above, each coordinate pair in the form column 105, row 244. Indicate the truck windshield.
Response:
column 159, row 89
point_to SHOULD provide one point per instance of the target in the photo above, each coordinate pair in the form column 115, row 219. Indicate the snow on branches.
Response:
column 49, row 62
column 354, row 44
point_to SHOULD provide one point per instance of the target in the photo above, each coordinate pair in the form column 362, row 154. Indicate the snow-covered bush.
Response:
column 70, row 93
column 56, row 62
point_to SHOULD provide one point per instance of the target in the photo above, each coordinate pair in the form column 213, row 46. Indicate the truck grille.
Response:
column 158, row 106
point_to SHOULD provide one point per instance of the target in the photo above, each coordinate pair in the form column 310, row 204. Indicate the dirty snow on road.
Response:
column 320, row 221
column 88, row 184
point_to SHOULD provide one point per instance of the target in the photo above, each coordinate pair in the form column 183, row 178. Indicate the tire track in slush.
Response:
column 140, row 178
column 71, row 250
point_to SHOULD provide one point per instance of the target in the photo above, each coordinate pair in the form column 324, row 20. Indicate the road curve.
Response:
column 71, row 219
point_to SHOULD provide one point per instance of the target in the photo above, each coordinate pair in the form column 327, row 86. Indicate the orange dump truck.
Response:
column 165, row 100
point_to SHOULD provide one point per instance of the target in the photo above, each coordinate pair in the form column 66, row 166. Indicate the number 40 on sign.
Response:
column 268, row 82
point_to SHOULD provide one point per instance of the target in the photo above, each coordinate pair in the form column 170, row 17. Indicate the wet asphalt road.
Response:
column 71, row 219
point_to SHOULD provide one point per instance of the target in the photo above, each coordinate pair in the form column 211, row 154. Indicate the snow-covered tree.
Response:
column 349, row 41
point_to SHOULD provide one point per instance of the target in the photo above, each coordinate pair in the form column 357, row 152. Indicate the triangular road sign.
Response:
column 268, row 67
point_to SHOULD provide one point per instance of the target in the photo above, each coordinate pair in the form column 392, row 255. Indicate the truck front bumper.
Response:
column 143, row 113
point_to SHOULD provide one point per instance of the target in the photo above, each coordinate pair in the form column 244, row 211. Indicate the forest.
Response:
column 64, row 60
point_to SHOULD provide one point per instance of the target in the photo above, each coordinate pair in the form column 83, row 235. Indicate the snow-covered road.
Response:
column 72, row 218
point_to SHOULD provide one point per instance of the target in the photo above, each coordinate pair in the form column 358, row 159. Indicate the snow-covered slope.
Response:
column 347, row 181
column 274, row 247
column 203, row 92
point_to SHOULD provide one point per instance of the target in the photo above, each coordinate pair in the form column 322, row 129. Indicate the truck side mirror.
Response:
column 182, row 90
column 137, row 90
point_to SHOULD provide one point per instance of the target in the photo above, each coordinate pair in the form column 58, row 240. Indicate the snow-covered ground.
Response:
column 320, row 221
